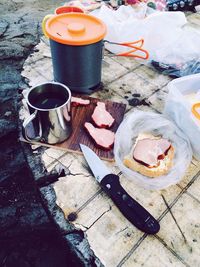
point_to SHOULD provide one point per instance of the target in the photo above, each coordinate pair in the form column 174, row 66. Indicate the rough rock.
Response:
column 57, row 215
column 21, row 208
column 3, row 26
column 79, row 247
column 32, row 228
column 6, row 127
column 10, row 50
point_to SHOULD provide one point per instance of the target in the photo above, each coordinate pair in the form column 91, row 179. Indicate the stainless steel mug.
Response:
column 50, row 108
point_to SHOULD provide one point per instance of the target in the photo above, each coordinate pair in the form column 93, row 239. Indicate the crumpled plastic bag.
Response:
column 173, row 49
column 182, row 57
column 158, row 125
column 183, row 93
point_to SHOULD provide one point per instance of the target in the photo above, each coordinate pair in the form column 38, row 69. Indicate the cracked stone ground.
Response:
column 114, row 240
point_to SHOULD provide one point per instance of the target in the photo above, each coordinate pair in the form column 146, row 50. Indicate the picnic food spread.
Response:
column 151, row 156
column 76, row 42
column 76, row 36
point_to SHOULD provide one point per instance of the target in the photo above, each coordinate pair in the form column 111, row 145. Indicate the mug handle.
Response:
column 26, row 123
column 44, row 23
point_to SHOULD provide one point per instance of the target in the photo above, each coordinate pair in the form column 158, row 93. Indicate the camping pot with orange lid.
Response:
column 76, row 42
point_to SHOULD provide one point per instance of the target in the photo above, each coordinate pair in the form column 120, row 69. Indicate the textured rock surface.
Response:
column 20, row 203
column 31, row 233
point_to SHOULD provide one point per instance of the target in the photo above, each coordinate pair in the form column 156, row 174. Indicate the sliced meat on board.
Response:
column 77, row 101
column 103, row 138
column 101, row 117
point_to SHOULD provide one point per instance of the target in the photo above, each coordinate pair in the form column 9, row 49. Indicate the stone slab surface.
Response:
column 114, row 240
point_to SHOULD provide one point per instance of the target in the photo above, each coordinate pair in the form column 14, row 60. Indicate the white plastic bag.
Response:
column 125, row 25
column 140, row 122
column 182, row 56
column 173, row 49
column 183, row 93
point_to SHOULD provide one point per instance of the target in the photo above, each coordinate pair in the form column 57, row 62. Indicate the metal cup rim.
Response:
column 40, row 84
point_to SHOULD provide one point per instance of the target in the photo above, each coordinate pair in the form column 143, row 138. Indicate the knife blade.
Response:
column 129, row 207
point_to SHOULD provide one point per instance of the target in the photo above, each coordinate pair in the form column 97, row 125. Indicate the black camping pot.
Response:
column 79, row 67
column 76, row 41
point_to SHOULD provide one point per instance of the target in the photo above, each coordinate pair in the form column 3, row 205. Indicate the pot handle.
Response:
column 25, row 125
column 44, row 21
column 135, row 47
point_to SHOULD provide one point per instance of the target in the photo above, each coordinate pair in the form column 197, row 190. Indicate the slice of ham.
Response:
column 149, row 151
column 101, row 117
column 77, row 101
column 103, row 138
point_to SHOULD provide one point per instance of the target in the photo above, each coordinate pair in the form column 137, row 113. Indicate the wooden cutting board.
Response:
column 82, row 114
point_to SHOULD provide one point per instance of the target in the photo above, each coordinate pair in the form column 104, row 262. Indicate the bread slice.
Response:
column 162, row 168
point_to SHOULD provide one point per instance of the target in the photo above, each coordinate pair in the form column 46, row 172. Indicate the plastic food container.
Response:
column 184, row 93
column 137, row 122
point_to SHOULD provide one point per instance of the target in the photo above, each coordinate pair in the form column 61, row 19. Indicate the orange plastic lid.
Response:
column 75, row 29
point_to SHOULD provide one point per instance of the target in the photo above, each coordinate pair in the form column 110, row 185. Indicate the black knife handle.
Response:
column 130, row 208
